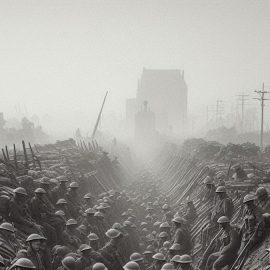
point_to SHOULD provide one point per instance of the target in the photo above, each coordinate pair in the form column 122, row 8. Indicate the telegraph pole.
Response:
column 261, row 98
column 243, row 100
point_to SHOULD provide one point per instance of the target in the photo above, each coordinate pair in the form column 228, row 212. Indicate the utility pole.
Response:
column 243, row 99
column 261, row 98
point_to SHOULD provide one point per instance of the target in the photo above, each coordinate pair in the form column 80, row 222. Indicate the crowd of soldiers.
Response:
column 135, row 228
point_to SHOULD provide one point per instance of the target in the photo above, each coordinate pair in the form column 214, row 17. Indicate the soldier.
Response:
column 19, row 213
column 34, row 252
column 85, row 261
column 68, row 263
column 48, row 197
column 74, row 201
column 185, row 262
column 230, row 240
column 90, row 221
column 138, row 258
column 181, row 236
column 176, row 261
column 99, row 221
column 263, row 200
column 252, row 228
column 175, row 249
column 223, row 207
column 58, row 255
column 165, row 227
column 158, row 261
column 22, row 264
column 8, row 242
column 93, row 241
column 62, row 204
column 88, row 201
column 191, row 213
column 110, row 250
column 70, row 235
column 148, row 254
column 210, row 190
column 52, row 223
column 163, row 237
column 61, row 190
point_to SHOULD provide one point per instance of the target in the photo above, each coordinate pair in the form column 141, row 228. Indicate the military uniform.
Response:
column 20, row 216
column 228, row 251
column 183, row 238
column 111, row 254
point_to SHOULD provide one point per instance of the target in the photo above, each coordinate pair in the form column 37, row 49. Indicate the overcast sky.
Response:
column 59, row 57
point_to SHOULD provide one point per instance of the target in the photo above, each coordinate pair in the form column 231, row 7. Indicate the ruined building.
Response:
column 166, row 93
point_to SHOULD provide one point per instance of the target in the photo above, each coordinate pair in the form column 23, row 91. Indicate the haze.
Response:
column 58, row 58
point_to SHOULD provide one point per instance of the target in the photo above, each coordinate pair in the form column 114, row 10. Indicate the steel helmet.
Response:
column 136, row 257
column 60, row 213
column 113, row 233
column 90, row 211
column 74, row 185
column 20, row 190
column 157, row 224
column 175, row 246
column 24, row 263
column 168, row 266
column 179, row 220
column 99, row 215
column 40, row 191
column 7, row 227
column 61, row 178
column 2, row 263
column 221, row 189
column 176, row 258
column 84, row 247
column 117, row 226
column 88, row 196
column 185, row 259
column 45, row 181
column 61, row 201
column 208, row 181
column 165, row 206
column 249, row 198
column 71, row 221
column 155, row 203
column 223, row 219
column 261, row 191
column 144, row 224
column 166, row 244
column 163, row 235
column 165, row 225
column 34, row 237
column 131, row 266
column 148, row 252
column 159, row 257
column 127, row 223
column 99, row 266
column 69, row 263
column 92, row 237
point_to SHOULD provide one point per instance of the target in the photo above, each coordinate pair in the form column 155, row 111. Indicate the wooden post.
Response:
column 25, row 155
column 4, row 155
column 7, row 153
column 32, row 153
column 15, row 156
